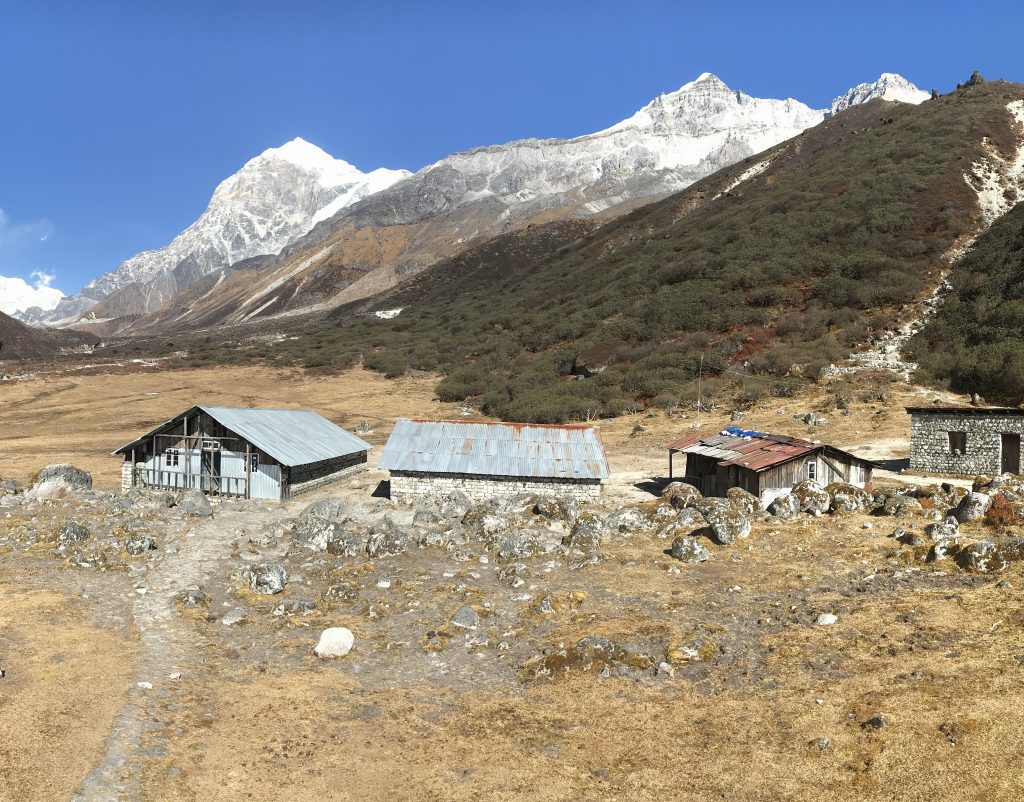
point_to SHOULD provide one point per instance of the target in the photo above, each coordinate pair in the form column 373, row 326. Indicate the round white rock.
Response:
column 334, row 642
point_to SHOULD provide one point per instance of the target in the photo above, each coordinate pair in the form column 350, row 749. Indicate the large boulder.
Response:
column 344, row 543
column 813, row 497
column 334, row 642
column 727, row 525
column 986, row 557
column 689, row 550
column 314, row 532
column 266, row 578
column 72, row 532
column 564, row 508
column 8, row 487
column 743, row 500
column 194, row 504
column 628, row 521
column 587, row 532
column 949, row 529
column 972, row 507
column 687, row 522
column 59, row 481
column 485, row 522
column 786, row 506
column 385, row 540
column 329, row 509
column 139, row 544
column 901, row 504
column 680, row 494
column 848, row 498
column 519, row 547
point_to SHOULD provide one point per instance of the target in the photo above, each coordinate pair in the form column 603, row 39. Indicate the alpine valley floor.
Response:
column 720, row 683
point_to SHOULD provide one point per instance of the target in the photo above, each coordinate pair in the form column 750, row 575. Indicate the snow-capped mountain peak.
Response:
column 889, row 86
column 276, row 197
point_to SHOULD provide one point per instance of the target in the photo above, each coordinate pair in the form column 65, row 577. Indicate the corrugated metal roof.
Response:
column 496, row 449
column 290, row 436
column 756, row 451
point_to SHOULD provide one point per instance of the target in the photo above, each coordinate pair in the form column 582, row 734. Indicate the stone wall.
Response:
column 407, row 486
column 929, row 441
column 127, row 476
column 312, row 484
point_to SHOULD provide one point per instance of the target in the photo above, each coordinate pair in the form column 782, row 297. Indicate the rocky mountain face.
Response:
column 276, row 197
column 472, row 196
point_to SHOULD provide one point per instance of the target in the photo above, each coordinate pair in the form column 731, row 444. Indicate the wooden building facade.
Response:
column 266, row 454
column 767, row 465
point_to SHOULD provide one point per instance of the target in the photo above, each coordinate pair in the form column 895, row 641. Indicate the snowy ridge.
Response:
column 282, row 194
column 276, row 197
column 889, row 86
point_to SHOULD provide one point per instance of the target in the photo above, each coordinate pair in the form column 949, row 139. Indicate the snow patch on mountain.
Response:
column 997, row 180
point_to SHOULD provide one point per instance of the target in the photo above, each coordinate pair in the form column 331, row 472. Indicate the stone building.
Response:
column 966, row 440
column 493, row 460
column 272, row 454
column 767, row 465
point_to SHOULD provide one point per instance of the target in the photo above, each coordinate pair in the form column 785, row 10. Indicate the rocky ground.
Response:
column 842, row 643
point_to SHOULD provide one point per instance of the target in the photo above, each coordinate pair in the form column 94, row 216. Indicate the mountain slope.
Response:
column 20, row 341
column 276, row 197
column 768, row 280
column 469, row 197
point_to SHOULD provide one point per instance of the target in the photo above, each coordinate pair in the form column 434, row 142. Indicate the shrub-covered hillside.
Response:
column 975, row 341
column 753, row 289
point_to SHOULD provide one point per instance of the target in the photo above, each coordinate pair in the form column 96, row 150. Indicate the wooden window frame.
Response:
column 812, row 471
column 957, row 442
column 172, row 457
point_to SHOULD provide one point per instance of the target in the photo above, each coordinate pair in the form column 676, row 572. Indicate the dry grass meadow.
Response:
column 937, row 652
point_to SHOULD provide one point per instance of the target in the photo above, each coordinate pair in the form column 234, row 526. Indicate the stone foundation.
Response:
column 929, row 441
column 410, row 486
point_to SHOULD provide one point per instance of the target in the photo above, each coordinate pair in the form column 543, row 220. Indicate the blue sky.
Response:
column 118, row 119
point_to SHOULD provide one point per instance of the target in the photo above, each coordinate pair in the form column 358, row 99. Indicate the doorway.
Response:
column 1011, row 453
column 211, row 471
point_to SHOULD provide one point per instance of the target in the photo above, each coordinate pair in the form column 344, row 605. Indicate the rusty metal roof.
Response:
column 495, row 449
column 756, row 451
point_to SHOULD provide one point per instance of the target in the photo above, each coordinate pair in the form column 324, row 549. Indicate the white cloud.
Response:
column 17, row 295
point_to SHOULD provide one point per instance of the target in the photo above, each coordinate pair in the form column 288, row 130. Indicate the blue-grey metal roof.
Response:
column 291, row 436
column 496, row 449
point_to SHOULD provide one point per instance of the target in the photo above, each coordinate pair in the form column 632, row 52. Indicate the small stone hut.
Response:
column 767, row 465
column 966, row 440
column 272, row 454
column 488, row 460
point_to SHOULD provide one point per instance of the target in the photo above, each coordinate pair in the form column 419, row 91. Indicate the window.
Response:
column 812, row 471
column 254, row 462
column 171, row 457
column 958, row 443
column 211, row 445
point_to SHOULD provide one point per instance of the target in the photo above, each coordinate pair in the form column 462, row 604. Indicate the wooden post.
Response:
column 133, row 467
column 188, row 455
column 670, row 452
column 248, row 470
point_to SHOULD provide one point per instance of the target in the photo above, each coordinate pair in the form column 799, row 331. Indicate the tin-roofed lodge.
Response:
column 271, row 454
column 487, row 460
column 767, row 465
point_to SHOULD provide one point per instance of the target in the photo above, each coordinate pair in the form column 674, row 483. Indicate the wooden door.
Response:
column 1011, row 453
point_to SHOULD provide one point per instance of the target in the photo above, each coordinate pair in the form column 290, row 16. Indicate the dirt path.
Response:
column 168, row 645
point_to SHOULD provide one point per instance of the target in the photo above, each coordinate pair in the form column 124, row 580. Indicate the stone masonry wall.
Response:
column 929, row 442
column 127, row 476
column 408, row 486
